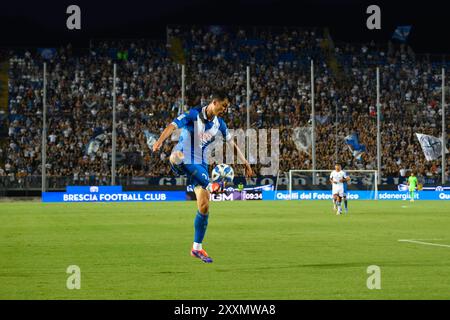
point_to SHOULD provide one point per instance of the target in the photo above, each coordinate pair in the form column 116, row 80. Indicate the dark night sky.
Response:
column 43, row 23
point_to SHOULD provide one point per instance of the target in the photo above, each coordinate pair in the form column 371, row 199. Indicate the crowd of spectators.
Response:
column 80, row 85
column 410, row 98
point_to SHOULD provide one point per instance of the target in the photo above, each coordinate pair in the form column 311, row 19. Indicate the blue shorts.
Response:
column 197, row 174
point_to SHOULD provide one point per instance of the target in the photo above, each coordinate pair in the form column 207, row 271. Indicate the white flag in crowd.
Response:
column 302, row 138
column 431, row 146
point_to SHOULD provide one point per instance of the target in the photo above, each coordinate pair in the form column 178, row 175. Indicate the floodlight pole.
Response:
column 183, row 87
column 313, row 125
column 114, row 134
column 378, row 127
column 44, row 133
column 248, row 113
column 336, row 123
column 443, row 165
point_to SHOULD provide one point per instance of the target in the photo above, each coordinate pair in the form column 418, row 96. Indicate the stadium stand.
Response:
column 149, row 91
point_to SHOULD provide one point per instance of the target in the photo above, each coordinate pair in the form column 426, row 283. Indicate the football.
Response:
column 223, row 172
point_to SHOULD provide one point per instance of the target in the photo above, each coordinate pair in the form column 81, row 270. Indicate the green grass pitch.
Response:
column 261, row 250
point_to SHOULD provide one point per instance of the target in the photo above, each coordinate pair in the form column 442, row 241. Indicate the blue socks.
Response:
column 200, row 225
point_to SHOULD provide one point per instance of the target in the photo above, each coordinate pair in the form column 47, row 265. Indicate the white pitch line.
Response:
column 425, row 243
column 434, row 239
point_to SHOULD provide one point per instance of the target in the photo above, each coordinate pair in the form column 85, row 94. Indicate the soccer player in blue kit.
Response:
column 199, row 127
column 346, row 180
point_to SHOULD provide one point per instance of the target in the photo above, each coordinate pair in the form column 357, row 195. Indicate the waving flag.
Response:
column 322, row 119
column 96, row 141
column 151, row 138
column 401, row 33
column 47, row 53
column 431, row 146
column 302, row 138
column 355, row 147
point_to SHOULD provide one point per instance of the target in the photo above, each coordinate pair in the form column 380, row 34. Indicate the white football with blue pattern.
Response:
column 223, row 172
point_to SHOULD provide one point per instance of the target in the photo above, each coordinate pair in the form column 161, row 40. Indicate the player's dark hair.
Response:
column 219, row 94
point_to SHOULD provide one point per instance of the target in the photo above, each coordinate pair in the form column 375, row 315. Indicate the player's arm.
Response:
column 331, row 179
column 164, row 135
column 229, row 139
column 180, row 122
column 248, row 169
column 346, row 178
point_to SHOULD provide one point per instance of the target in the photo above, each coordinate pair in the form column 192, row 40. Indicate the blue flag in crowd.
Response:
column 151, row 138
column 401, row 33
column 96, row 141
column 47, row 53
column 217, row 30
column 355, row 147
column 97, row 131
column 322, row 119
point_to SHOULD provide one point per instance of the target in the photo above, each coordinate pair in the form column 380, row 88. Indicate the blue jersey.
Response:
column 345, row 182
column 197, row 133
